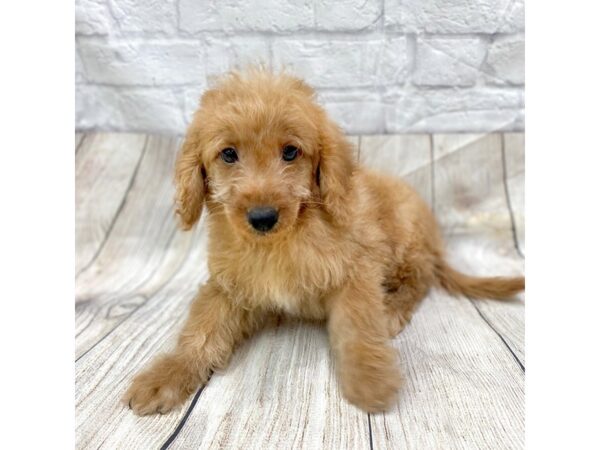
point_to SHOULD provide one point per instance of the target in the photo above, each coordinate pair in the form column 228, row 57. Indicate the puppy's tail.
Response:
column 457, row 283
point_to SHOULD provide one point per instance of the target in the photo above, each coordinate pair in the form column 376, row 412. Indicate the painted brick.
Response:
column 244, row 15
column 145, row 15
column 333, row 15
column 474, row 109
column 223, row 55
column 91, row 17
column 455, row 16
column 128, row 109
column 191, row 100
column 514, row 18
column 506, row 60
column 344, row 63
column 394, row 61
column 79, row 73
column 448, row 61
column 143, row 63
column 356, row 112
column 379, row 65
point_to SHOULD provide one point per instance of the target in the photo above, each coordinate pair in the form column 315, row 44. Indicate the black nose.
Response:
column 263, row 218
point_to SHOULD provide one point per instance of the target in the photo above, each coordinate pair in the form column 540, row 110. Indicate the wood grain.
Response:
column 514, row 152
column 480, row 256
column 463, row 360
column 468, row 185
column 103, row 373
column 141, row 253
column 407, row 156
column 78, row 139
column 472, row 206
column 462, row 390
column 470, row 203
column 278, row 392
column 104, row 167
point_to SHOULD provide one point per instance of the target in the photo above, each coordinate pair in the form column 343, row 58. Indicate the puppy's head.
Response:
column 261, row 147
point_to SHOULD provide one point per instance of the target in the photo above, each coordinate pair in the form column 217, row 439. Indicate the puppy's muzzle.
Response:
column 263, row 218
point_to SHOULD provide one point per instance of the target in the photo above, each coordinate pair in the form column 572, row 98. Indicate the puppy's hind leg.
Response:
column 212, row 330
column 403, row 292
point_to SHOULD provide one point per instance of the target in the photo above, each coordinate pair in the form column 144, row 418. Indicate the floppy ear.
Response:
column 334, row 171
column 189, row 179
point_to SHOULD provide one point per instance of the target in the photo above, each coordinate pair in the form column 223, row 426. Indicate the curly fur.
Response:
column 354, row 248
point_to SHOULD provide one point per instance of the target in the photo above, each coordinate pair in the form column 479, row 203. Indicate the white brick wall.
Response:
column 380, row 66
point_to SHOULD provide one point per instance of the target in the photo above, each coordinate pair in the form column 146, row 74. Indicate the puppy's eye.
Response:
column 229, row 155
column 290, row 153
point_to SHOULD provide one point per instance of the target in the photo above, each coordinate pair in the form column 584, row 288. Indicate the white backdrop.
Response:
column 380, row 66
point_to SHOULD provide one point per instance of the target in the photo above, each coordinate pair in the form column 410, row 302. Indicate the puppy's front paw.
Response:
column 372, row 382
column 159, row 389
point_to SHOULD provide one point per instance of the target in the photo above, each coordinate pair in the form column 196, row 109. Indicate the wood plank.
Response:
column 514, row 144
column 463, row 390
column 78, row 139
column 514, row 152
column 406, row 156
column 104, row 167
column 280, row 391
column 469, row 192
column 141, row 253
column 261, row 368
column 474, row 209
column 254, row 390
column 103, row 374
column 103, row 281
column 477, row 256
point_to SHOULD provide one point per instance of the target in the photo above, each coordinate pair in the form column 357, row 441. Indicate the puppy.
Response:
column 296, row 227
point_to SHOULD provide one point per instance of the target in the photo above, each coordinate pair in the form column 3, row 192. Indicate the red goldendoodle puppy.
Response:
column 297, row 227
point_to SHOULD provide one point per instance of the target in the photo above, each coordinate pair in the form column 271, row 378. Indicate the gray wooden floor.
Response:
column 463, row 360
